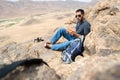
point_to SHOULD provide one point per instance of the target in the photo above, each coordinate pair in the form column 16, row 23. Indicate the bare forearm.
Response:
column 77, row 35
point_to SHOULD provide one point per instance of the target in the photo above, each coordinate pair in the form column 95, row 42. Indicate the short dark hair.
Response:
column 80, row 10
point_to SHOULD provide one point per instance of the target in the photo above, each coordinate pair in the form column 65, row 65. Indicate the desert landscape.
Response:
column 35, row 17
column 23, row 21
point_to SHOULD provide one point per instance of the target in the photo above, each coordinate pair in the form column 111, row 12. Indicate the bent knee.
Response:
column 62, row 29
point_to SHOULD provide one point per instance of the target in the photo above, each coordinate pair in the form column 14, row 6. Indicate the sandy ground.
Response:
column 35, row 26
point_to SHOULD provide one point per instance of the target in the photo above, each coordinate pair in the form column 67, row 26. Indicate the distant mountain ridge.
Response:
column 26, row 7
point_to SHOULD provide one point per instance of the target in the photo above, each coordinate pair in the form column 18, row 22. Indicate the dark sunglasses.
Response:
column 78, row 16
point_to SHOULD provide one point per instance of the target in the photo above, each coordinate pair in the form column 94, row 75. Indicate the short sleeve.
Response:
column 86, row 28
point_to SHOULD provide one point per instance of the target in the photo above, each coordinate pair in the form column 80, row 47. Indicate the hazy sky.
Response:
column 57, row 0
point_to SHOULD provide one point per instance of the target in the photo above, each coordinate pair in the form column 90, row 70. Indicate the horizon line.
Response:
column 53, row 0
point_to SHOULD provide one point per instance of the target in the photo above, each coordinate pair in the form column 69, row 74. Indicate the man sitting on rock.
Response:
column 82, row 28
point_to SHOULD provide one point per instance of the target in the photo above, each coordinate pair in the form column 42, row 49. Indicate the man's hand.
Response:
column 71, row 31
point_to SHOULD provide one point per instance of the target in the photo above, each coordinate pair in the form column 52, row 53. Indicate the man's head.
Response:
column 79, row 14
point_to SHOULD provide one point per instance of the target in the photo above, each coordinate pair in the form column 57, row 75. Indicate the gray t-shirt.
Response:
column 83, row 28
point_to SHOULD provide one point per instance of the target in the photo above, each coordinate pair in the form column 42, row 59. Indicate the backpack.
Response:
column 74, row 49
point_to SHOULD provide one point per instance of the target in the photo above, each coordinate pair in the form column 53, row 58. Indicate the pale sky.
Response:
column 57, row 0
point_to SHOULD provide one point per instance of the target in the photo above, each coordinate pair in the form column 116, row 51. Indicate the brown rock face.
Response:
column 114, row 72
column 105, row 36
column 97, row 68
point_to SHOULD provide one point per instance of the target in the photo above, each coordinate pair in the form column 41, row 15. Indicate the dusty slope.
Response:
column 31, row 27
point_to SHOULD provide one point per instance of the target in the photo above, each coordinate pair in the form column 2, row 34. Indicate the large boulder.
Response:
column 34, row 69
column 27, row 50
column 104, row 38
column 97, row 68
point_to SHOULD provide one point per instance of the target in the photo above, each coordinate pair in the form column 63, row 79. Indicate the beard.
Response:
column 80, row 19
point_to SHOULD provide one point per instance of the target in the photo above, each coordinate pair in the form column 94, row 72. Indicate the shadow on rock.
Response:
column 33, row 69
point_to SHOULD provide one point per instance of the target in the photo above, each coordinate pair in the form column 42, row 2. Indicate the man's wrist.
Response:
column 75, row 34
